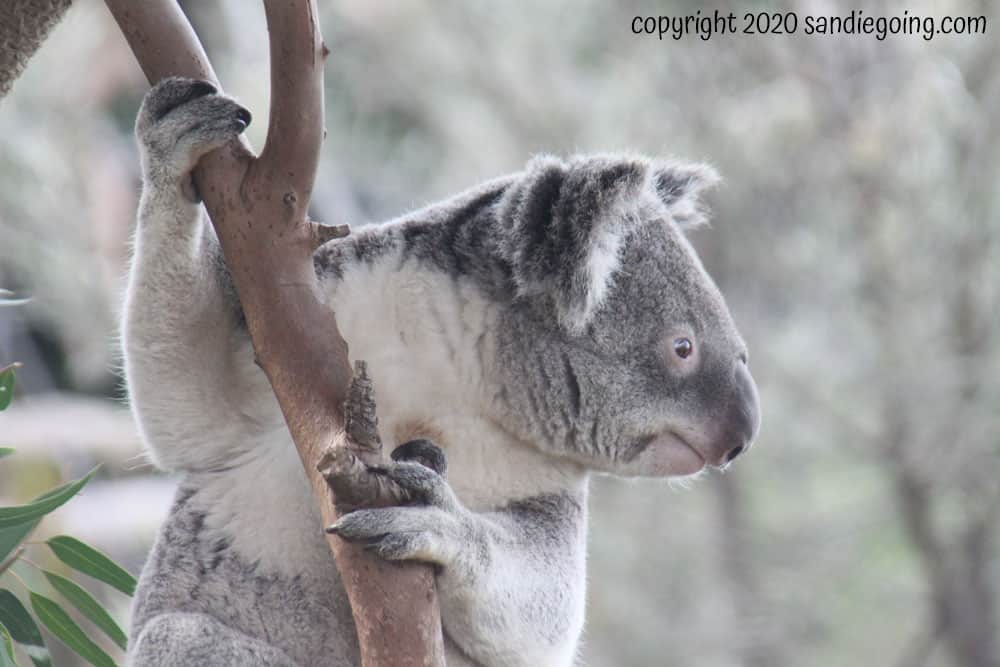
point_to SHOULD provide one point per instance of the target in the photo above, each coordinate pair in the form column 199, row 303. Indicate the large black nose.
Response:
column 739, row 421
column 743, row 415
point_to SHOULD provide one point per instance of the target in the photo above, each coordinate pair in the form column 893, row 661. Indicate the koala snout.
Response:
column 740, row 422
column 743, row 418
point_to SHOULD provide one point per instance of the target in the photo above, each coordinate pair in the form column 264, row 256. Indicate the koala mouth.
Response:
column 665, row 454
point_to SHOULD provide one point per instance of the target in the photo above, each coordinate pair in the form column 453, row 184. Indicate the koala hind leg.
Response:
column 182, row 639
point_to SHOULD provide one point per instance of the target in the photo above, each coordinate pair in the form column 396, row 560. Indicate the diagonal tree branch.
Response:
column 258, row 207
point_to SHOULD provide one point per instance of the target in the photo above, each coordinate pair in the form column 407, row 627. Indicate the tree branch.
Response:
column 258, row 207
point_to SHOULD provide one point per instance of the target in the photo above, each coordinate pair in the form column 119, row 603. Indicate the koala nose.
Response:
column 741, row 421
column 745, row 410
column 244, row 117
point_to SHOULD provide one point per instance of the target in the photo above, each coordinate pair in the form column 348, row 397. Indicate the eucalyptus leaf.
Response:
column 23, row 629
column 11, row 537
column 6, row 648
column 88, row 606
column 89, row 560
column 59, row 623
column 6, row 387
column 13, row 516
column 18, row 621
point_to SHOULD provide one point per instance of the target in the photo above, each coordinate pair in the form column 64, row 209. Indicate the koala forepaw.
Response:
column 182, row 119
column 418, row 468
column 429, row 528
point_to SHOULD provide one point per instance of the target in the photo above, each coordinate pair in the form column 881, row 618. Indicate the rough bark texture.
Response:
column 24, row 25
column 258, row 207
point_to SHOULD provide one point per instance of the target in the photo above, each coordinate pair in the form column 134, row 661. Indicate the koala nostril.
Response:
column 244, row 116
column 733, row 453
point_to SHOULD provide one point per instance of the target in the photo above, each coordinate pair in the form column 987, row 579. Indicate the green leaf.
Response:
column 11, row 537
column 88, row 606
column 23, row 630
column 6, row 451
column 89, row 560
column 65, row 628
column 18, row 621
column 6, row 649
column 13, row 516
column 6, row 386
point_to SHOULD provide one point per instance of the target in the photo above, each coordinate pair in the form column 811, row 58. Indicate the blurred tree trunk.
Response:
column 752, row 640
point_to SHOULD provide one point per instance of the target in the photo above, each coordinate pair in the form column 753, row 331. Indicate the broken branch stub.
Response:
column 348, row 463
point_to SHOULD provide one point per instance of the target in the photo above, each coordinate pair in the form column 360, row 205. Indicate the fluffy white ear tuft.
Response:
column 595, row 276
column 680, row 185
column 563, row 226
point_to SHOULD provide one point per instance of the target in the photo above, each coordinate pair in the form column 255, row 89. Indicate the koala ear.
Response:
column 679, row 187
column 562, row 225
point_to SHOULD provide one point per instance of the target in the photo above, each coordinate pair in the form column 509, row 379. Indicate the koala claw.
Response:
column 423, row 485
column 427, row 534
column 182, row 119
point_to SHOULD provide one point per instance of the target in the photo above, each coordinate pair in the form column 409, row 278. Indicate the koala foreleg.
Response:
column 188, row 362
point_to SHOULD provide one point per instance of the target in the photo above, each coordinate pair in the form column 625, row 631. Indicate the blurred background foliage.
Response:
column 856, row 236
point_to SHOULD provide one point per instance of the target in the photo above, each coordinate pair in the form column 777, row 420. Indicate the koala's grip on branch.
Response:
column 350, row 464
column 24, row 25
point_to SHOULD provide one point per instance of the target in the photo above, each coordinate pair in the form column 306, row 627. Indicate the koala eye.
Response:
column 683, row 347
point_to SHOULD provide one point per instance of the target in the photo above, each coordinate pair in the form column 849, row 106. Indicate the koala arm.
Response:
column 188, row 362
column 511, row 581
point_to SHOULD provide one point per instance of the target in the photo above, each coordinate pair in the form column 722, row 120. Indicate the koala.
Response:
column 530, row 332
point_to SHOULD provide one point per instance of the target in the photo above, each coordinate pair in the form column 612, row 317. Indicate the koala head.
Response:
column 618, row 350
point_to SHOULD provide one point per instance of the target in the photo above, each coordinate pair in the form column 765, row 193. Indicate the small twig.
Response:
column 360, row 419
column 33, row 564
column 4, row 566
column 323, row 233
column 349, row 463
column 15, row 366
column 19, row 580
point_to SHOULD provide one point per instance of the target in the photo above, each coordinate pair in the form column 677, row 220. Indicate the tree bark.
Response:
column 259, row 209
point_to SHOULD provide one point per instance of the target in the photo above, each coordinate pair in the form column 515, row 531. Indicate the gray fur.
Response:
column 527, row 326
column 219, row 609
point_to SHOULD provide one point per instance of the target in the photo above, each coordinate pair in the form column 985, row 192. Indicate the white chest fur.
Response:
column 428, row 343
column 428, row 340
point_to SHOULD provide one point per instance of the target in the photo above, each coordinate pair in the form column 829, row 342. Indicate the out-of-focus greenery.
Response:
column 856, row 236
column 18, row 627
